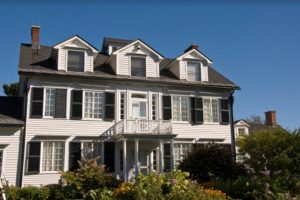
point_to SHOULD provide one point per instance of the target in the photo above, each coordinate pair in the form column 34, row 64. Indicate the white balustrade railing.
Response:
column 139, row 126
column 144, row 126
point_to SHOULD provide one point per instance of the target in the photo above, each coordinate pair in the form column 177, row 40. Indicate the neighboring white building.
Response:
column 137, row 110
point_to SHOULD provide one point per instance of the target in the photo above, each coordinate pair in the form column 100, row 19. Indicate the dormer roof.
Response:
column 142, row 43
column 75, row 41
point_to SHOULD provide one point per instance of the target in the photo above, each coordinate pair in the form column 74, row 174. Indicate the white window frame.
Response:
column 181, row 146
column 41, row 156
column 187, row 70
column 139, row 100
column 45, row 101
column 156, row 98
column 243, row 134
column 130, row 64
column 211, row 110
column 101, row 107
column 67, row 58
column 188, row 108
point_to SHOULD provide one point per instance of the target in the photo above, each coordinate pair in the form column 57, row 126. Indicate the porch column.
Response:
column 124, row 161
column 172, row 155
column 161, row 156
column 136, row 156
column 102, row 152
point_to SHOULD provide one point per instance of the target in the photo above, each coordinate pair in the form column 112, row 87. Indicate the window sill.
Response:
column 180, row 122
column 50, row 172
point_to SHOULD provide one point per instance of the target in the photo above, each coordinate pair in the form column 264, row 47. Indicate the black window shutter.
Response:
column 33, row 162
column 167, row 157
column 224, row 111
column 198, row 110
column 167, row 108
column 109, row 106
column 193, row 114
column 37, row 102
column 60, row 103
column 109, row 156
column 76, row 104
column 75, row 155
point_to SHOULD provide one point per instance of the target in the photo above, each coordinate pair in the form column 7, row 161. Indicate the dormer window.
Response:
column 76, row 61
column 193, row 71
column 138, row 66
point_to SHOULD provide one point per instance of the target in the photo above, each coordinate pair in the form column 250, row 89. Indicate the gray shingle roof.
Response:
column 45, row 62
column 121, row 42
column 9, row 121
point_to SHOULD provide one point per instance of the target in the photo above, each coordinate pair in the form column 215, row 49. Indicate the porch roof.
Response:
column 143, row 136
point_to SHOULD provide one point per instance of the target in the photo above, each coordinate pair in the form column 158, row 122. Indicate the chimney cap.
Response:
column 35, row 26
column 192, row 46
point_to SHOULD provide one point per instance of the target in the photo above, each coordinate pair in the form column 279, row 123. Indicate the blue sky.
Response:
column 255, row 45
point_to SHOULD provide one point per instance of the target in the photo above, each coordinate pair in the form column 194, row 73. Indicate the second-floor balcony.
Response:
column 140, row 126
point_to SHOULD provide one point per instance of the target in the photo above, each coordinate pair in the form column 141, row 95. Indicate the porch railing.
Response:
column 144, row 126
column 139, row 126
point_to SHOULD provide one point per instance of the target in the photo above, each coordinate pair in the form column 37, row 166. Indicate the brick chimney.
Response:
column 270, row 118
column 35, row 37
column 193, row 46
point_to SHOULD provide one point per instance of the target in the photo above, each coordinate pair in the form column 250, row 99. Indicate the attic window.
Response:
column 193, row 71
column 138, row 66
column 76, row 61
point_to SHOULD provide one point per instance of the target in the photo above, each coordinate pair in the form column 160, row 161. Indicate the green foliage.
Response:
column 174, row 185
column 28, row 193
column 211, row 162
column 273, row 160
column 89, row 176
column 11, row 89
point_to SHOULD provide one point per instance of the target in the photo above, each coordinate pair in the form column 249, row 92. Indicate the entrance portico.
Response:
column 143, row 153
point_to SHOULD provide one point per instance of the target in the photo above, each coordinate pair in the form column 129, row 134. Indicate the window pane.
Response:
column 76, row 61
column 193, row 70
column 88, row 105
column 138, row 66
column 207, row 110
column 143, row 109
column 215, row 110
column 179, row 108
column 50, row 102
column 53, row 156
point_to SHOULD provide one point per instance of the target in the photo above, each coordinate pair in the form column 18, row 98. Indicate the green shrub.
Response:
column 211, row 162
column 90, row 176
column 28, row 193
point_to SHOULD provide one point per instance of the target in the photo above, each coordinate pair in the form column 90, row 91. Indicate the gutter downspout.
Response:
column 19, row 184
column 231, row 101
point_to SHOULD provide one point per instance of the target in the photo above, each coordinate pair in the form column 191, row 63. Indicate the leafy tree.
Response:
column 255, row 119
column 211, row 162
column 11, row 89
column 273, row 158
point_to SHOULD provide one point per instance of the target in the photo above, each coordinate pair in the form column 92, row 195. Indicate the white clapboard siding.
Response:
column 204, row 73
column 10, row 138
column 209, row 131
column 151, row 67
column 183, row 69
column 88, row 61
column 123, row 62
column 62, row 59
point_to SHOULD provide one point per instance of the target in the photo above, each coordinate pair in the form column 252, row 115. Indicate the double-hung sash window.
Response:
column 49, row 102
column 52, row 156
column 180, row 151
column 193, row 71
column 75, row 61
column 180, row 108
column 138, row 66
column 211, row 110
column 93, row 105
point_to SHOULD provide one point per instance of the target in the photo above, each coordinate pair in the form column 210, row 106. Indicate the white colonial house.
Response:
column 139, row 111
